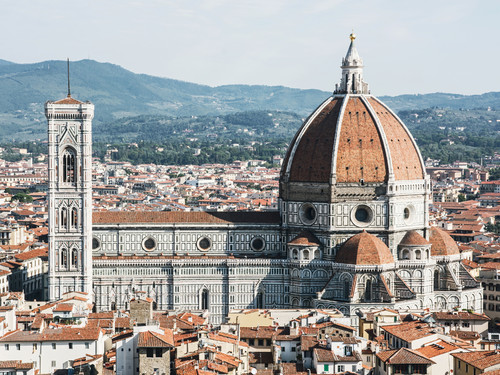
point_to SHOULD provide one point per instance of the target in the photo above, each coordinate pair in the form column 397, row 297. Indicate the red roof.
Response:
column 364, row 249
column 68, row 100
column 116, row 217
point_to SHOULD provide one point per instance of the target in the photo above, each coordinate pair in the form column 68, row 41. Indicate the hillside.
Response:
column 123, row 98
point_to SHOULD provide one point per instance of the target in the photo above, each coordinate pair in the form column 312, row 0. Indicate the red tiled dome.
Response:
column 442, row 243
column 354, row 137
column 413, row 238
column 364, row 249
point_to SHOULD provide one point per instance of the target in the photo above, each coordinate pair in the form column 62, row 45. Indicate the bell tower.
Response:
column 70, row 195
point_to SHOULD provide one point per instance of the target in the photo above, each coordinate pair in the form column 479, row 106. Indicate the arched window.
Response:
column 64, row 258
column 306, row 254
column 418, row 254
column 259, row 300
column 437, row 280
column 205, row 296
column 347, row 289
column 74, row 218
column 64, row 218
column 295, row 254
column 405, row 254
column 69, row 166
column 368, row 290
column 74, row 257
column 317, row 254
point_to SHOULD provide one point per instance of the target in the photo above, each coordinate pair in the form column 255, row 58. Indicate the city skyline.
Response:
column 407, row 48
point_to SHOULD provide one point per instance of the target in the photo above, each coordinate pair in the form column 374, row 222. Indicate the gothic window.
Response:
column 74, row 257
column 259, row 300
column 64, row 218
column 69, row 166
column 64, row 258
column 205, row 299
column 74, row 218
column 368, row 290
column 347, row 289
column 437, row 280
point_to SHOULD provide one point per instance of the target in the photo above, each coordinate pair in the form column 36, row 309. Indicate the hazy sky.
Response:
column 415, row 46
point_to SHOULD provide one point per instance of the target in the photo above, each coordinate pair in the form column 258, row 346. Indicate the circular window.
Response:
column 362, row 215
column 96, row 243
column 308, row 213
column 257, row 244
column 408, row 214
column 204, row 244
column 149, row 244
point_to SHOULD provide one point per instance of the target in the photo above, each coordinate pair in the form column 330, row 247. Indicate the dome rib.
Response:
column 311, row 159
column 407, row 165
column 364, row 249
column 288, row 160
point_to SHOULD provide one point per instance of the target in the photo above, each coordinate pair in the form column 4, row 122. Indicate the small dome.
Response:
column 413, row 238
column 442, row 243
column 364, row 249
column 305, row 238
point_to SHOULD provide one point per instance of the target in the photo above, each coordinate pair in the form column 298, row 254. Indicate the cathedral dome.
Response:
column 441, row 243
column 413, row 238
column 352, row 137
column 364, row 249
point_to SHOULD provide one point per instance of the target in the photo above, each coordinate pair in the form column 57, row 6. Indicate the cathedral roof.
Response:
column 145, row 217
column 364, row 249
column 352, row 137
column 413, row 238
column 305, row 238
column 442, row 243
column 68, row 100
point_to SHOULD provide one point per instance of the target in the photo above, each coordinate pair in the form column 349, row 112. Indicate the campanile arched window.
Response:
column 64, row 218
column 64, row 258
column 69, row 166
column 74, row 257
column 74, row 218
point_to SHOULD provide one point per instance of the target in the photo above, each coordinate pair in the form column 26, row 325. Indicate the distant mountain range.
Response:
column 119, row 93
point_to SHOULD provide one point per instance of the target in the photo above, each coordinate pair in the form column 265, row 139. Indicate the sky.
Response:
column 408, row 47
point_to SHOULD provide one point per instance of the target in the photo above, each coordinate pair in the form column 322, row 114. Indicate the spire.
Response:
column 352, row 72
column 69, row 90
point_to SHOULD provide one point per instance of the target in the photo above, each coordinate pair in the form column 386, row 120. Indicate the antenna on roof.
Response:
column 69, row 90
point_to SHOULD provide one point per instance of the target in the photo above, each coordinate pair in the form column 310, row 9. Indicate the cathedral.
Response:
column 351, row 231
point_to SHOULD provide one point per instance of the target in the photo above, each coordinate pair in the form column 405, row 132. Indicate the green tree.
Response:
column 23, row 198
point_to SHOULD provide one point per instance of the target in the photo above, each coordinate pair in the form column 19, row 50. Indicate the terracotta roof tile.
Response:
column 413, row 238
column 135, row 217
column 305, row 238
column 404, row 356
column 68, row 100
column 364, row 249
column 150, row 339
column 442, row 243
column 479, row 359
